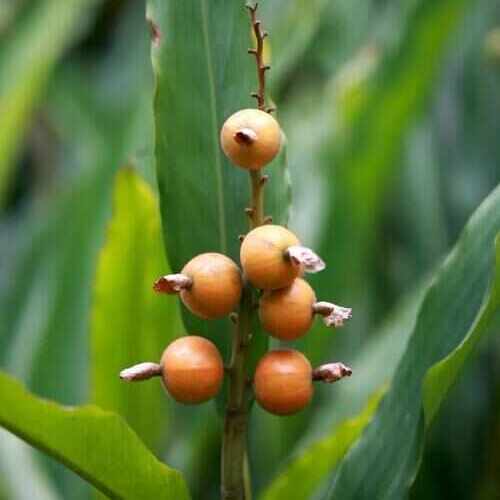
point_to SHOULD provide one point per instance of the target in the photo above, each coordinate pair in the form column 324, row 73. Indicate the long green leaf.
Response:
column 203, row 75
column 96, row 444
column 130, row 323
column 41, row 36
column 461, row 305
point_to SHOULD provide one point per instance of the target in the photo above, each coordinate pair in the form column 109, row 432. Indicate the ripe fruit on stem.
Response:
column 283, row 382
column 191, row 369
column 209, row 285
column 250, row 138
column 287, row 313
column 272, row 257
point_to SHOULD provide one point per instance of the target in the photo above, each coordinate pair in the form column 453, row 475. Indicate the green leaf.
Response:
column 27, row 58
column 96, row 444
column 442, row 375
column 302, row 476
column 130, row 323
column 203, row 75
column 460, row 306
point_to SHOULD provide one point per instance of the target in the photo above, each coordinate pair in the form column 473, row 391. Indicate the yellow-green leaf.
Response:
column 98, row 445
column 130, row 323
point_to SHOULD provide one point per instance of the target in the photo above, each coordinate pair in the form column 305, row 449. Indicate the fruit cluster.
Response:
column 273, row 261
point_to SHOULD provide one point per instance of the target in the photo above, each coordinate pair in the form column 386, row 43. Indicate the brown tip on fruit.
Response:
column 142, row 371
column 172, row 283
column 245, row 136
column 333, row 315
column 331, row 372
column 305, row 257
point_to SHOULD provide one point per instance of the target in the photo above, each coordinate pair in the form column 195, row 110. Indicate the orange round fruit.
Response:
column 250, row 138
column 264, row 260
column 192, row 369
column 287, row 313
column 216, row 285
column 283, row 382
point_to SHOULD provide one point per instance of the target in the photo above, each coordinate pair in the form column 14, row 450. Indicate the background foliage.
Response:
column 391, row 114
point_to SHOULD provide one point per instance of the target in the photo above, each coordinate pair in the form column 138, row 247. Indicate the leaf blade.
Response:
column 130, row 323
column 453, row 311
column 99, row 447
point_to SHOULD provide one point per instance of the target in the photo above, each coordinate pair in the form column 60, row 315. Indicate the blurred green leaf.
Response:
column 130, row 323
column 365, row 156
column 459, row 307
column 95, row 121
column 96, row 444
column 27, row 58
column 203, row 75
column 302, row 476
column 97, row 111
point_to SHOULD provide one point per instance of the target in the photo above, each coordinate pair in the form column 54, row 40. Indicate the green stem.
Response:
column 235, row 469
column 236, row 484
column 235, row 423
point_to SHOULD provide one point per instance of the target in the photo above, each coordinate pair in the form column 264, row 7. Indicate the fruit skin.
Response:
column 192, row 369
column 283, row 382
column 216, row 288
column 287, row 314
column 263, row 258
column 257, row 153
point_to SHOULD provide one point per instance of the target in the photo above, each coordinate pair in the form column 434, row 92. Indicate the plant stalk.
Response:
column 234, row 441
column 235, row 467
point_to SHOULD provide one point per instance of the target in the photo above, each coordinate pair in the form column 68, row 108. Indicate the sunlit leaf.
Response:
column 130, row 323
column 96, row 444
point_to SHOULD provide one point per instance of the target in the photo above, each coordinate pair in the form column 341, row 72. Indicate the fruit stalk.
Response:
column 235, row 470
column 234, row 443
column 235, row 479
